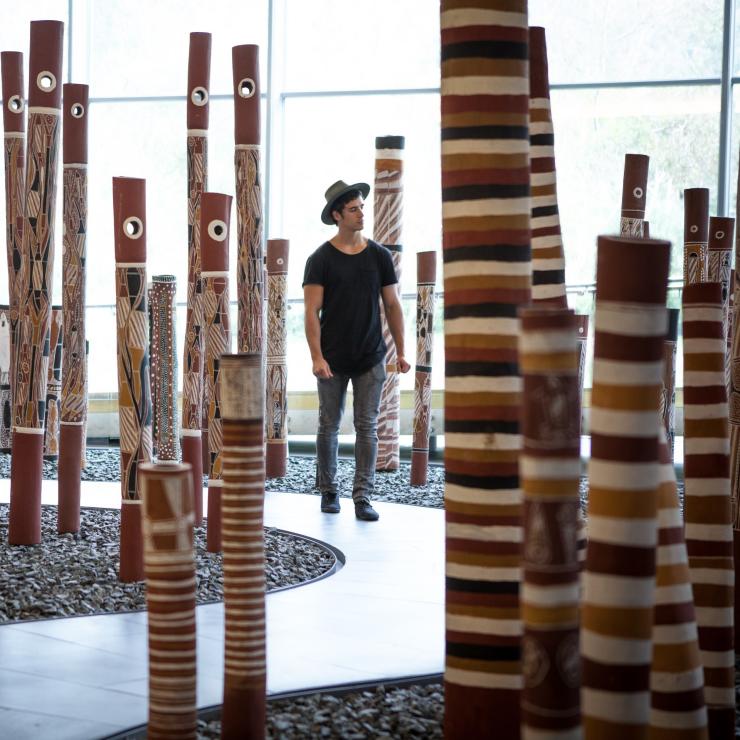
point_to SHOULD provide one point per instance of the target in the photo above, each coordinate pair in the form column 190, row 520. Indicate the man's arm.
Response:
column 313, row 299
column 394, row 317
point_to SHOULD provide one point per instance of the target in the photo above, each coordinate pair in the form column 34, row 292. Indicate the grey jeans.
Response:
column 366, row 390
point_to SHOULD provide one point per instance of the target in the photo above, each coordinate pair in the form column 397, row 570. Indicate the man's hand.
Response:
column 402, row 365
column 321, row 369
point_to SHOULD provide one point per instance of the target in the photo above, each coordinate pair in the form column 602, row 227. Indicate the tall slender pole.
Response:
column 387, row 231
column 548, row 255
column 276, row 367
column 199, row 69
column 134, row 396
column 245, row 666
column 634, row 195
column 248, row 171
column 707, row 508
column 215, row 214
column 486, row 213
column 34, row 312
column 169, row 565
column 14, row 126
column 695, row 235
column 426, row 277
column 624, row 476
column 74, row 279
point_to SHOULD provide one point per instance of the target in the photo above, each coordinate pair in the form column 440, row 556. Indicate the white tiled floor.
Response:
column 379, row 617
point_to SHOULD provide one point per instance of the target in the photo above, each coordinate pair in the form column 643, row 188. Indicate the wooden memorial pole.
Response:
column 34, row 296
column 134, row 398
column 215, row 214
column 74, row 279
column 634, row 196
column 193, row 440
column 276, row 368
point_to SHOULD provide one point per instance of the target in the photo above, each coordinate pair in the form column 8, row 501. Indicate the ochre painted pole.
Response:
column 34, row 307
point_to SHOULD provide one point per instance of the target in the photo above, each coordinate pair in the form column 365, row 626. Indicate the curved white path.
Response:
column 380, row 617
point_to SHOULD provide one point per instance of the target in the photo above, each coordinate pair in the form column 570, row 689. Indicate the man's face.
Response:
column 351, row 216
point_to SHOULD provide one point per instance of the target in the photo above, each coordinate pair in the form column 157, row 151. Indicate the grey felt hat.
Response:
column 335, row 192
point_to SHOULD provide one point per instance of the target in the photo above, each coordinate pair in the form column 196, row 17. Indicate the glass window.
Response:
column 333, row 138
column 598, row 41
column 140, row 48
column 678, row 127
column 335, row 45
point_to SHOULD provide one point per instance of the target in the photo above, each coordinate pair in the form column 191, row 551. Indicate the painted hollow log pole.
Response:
column 276, row 367
column 169, row 567
column 153, row 363
column 241, row 384
column 53, row 385
column 14, row 128
column 582, row 320
column 74, row 279
column 163, row 310
column 193, row 401
column 215, row 213
column 634, row 195
column 550, row 468
column 676, row 677
column 426, row 277
column 695, row 235
column 248, row 171
column 388, row 209
column 34, row 296
column 6, row 402
column 668, row 390
column 487, row 277
column 134, row 397
column 707, row 510
column 548, row 257
column 730, row 335
column 624, row 472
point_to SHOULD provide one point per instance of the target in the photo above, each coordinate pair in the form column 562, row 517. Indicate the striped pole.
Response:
column 676, row 677
column 134, row 395
column 215, row 214
column 548, row 257
column 733, row 372
column 695, row 235
column 487, row 277
column 164, row 314
column 193, row 440
column 14, row 126
column 74, row 278
column 276, row 372
column 53, row 385
column 388, row 210
column 619, row 577
column 34, row 299
column 250, row 252
column 550, row 472
column 668, row 389
column 426, row 277
column 707, row 510
column 169, row 565
column 245, row 669
column 634, row 194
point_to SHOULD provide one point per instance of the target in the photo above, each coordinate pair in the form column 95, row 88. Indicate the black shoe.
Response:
column 330, row 503
column 364, row 511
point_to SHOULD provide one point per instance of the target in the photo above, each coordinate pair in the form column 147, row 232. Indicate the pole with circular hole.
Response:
column 193, row 431
column 34, row 315
column 74, row 279
column 250, row 253
column 134, row 396
column 215, row 215
column 14, row 126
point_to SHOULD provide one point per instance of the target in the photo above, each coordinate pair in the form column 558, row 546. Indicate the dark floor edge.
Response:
column 214, row 711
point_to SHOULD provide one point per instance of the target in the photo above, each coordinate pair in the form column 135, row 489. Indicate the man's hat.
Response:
column 335, row 192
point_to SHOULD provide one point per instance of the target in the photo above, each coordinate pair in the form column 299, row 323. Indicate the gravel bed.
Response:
column 384, row 713
column 68, row 575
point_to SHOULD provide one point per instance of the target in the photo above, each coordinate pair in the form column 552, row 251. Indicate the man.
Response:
column 345, row 279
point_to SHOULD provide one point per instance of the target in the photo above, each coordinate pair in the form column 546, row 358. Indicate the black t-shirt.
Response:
column 351, row 337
